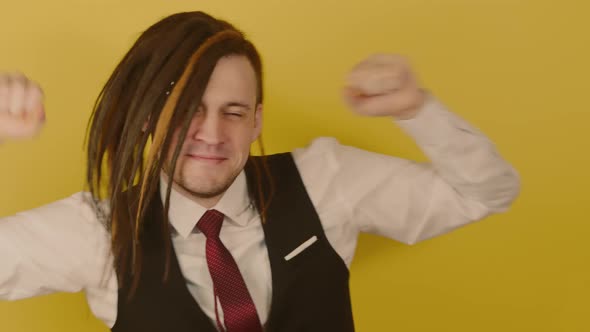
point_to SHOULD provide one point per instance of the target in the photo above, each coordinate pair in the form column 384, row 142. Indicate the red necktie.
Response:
column 238, row 308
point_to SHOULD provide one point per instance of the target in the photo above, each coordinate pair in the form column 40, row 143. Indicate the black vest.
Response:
column 310, row 292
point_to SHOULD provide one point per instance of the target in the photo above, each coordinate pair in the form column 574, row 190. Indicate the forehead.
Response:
column 233, row 77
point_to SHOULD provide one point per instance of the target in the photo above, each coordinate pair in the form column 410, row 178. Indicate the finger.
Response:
column 17, row 127
column 372, row 106
column 351, row 96
column 386, row 103
column 34, row 98
column 389, row 80
column 35, row 118
column 16, row 93
column 357, row 100
column 378, row 82
column 379, row 77
column 4, row 92
column 377, row 61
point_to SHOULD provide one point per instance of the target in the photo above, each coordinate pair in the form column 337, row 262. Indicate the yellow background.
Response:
column 517, row 69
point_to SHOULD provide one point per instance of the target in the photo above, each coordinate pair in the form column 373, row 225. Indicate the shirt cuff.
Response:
column 435, row 125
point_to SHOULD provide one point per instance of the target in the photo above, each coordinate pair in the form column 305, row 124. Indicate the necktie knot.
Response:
column 210, row 223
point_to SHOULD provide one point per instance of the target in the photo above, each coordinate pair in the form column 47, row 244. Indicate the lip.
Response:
column 207, row 158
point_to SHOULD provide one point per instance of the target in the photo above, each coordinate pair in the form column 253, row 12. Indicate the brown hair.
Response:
column 158, row 85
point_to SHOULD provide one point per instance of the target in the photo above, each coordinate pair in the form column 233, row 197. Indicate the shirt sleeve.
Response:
column 53, row 248
column 465, row 179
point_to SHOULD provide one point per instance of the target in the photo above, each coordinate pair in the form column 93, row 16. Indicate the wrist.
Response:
column 413, row 110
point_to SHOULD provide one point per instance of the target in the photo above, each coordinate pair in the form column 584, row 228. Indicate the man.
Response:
column 196, row 234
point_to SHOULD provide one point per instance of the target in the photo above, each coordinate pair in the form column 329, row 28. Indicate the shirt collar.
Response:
column 184, row 213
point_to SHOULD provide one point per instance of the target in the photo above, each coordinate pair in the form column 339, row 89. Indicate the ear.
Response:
column 257, row 122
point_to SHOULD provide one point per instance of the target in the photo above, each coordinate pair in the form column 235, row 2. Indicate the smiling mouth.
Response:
column 206, row 158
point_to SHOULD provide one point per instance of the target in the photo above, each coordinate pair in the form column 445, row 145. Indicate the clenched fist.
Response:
column 21, row 107
column 384, row 85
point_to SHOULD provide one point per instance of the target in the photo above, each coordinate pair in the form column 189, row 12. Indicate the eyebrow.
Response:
column 232, row 104
column 236, row 104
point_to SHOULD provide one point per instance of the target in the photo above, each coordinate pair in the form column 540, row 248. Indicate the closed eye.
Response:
column 235, row 114
column 236, row 109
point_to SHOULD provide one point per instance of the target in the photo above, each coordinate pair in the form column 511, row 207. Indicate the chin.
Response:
column 205, row 181
column 206, row 188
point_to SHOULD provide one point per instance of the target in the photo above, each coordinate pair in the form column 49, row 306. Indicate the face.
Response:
column 218, row 141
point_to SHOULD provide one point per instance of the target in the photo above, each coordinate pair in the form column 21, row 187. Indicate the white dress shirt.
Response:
column 63, row 247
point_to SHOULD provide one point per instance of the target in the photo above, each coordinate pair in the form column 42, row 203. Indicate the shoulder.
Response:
column 76, row 211
column 320, row 147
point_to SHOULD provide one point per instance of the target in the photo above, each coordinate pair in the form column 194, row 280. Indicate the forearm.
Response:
column 463, row 156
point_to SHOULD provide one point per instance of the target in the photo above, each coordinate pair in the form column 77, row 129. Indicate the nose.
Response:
column 208, row 129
